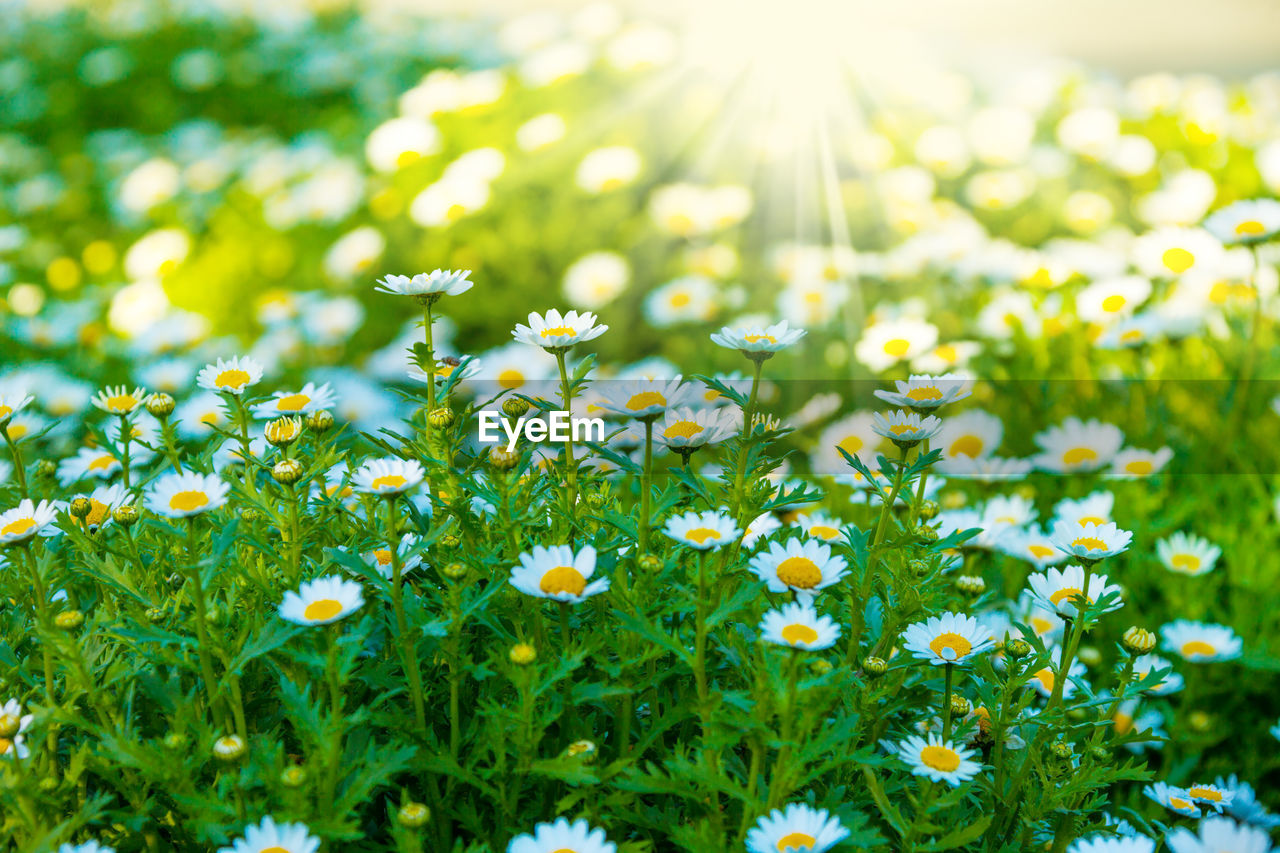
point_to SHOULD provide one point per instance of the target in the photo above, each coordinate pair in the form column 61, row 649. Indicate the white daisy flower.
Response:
column 88, row 462
column 561, row 836
column 704, row 531
column 1211, row 796
column 558, row 573
column 764, row 524
column 381, row 559
column 321, row 601
column 939, row 760
column 692, row 428
column 230, row 377
column 643, row 398
column 758, row 339
column 102, row 502
column 1032, row 545
column 855, row 434
column 797, row 828
column 1008, row 510
column 28, row 520
column 119, row 400
column 267, row 836
column 1090, row 541
column 11, row 404
column 555, row 331
column 1095, row 508
column 1188, row 554
column 984, row 469
column 952, row 638
column 798, row 625
column 304, row 402
column 1217, row 835
column 1112, row 844
column 1077, row 445
column 85, row 847
column 188, row 494
column 1199, row 642
column 821, row 526
column 387, row 476
column 903, row 427
column 1176, row 800
column 804, row 568
column 1044, row 622
column 974, row 434
column 16, row 746
column 435, row 283
column 1145, row 665
column 1045, row 679
column 1107, row 299
column 1059, row 590
column 1245, row 222
column 884, row 344
column 927, row 392
column 1133, row 463
column 1170, row 252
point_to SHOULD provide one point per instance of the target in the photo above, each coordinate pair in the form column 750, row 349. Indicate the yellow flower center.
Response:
column 292, row 403
column 1201, row 792
column 966, row 445
column 950, row 646
column 851, row 444
column 5, row 411
column 1198, row 648
column 799, row 572
column 322, row 609
column 1132, row 336
column 16, row 431
column 563, row 579
column 382, row 556
column 1040, row 551
column 1181, row 804
column 680, row 300
column 795, row 841
column 645, row 399
column 18, row 527
column 751, row 339
column 390, row 481
column 940, row 758
column 1113, row 303
column 1178, row 260
column 1185, row 562
column 899, row 429
column 1079, row 455
column 1046, row 678
column 1123, row 722
column 102, row 463
column 702, row 534
column 796, row 634
column 947, row 353
column 282, row 430
column 928, row 393
column 5, row 744
column 824, row 531
column 121, row 403
column 188, row 501
column 556, row 331
column 1139, row 467
column 97, row 513
column 510, row 379
column 1040, row 625
column 1091, row 519
column 1068, row 594
column 682, row 429
column 1250, row 228
column 234, row 379
column 897, row 347
column 1089, row 543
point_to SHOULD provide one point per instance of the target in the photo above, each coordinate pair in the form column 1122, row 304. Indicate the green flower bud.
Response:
column 125, row 515
column 160, row 405
column 81, row 507
column 320, row 421
column 413, row 815
column 69, row 620
column 522, row 654
column 287, row 471
column 514, row 407
column 441, row 418
column 293, row 776
column 875, row 667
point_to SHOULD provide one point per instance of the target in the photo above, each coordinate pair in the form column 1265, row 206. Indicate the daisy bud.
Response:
column 125, row 516
column 176, row 580
column 282, row 432
column 175, row 741
column 46, row 468
column 10, row 725
column 160, row 405
column 971, row 585
column 80, row 507
column 954, row 500
column 449, row 540
column 502, row 459
column 1026, row 490
column 1200, row 721
column 155, row 615
column 1061, row 750
column 960, row 705
column 875, row 667
column 1138, row 641
column 522, row 654
column 928, row 510
column 595, row 500
column 820, row 667
column 293, row 776
column 650, row 562
column 250, row 515
column 213, row 614
column 1089, row 655
column 229, row 748
column 455, row 571
column 48, row 785
column 582, row 749
column 1017, row 648
column 413, row 815
column 1100, row 755
column 68, row 620
column 926, row 533
column 441, row 418
column 320, row 420
column 919, row 568
column 287, row 471
column 514, row 407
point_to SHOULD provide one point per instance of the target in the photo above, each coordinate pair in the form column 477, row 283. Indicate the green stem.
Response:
column 202, row 627
column 646, row 487
column 430, row 367
column 946, row 700
column 407, row 643
column 19, row 471
column 740, row 468
column 857, row 605
column 571, row 461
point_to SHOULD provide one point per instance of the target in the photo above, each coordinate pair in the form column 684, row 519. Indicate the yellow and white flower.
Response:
column 1090, row 541
column 687, row 299
column 1212, row 796
column 798, row 828
column 758, row 339
column 381, row 559
column 1060, row 590
column 102, row 502
column 1169, row 252
column 1133, row 463
column 230, row 377
column 88, row 462
column 804, row 568
column 692, row 428
column 435, row 283
column 1076, row 445
column 1170, row 681
column 186, row 495
column 886, row 343
column 1176, row 800
column 309, row 399
column 558, row 573
column 950, row 638
column 905, row 428
column 563, row 837
column 387, row 476
column 607, row 169
column 596, row 279
column 555, row 331
column 1030, row 544
column 798, row 625
column 1094, row 508
column 267, row 836
column 939, row 760
column 927, row 392
column 1045, row 679
column 704, row 531
column 1108, row 299
column 764, row 524
column 643, row 398
column 11, row 404
column 28, row 520
column 973, row 434
column 1218, row 835
column 855, row 434
column 86, row 847
column 1113, row 844
column 15, row 746
column 1188, row 554
column 321, row 601
column 119, row 400
column 1246, row 222
column 821, row 526
column 1200, row 642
